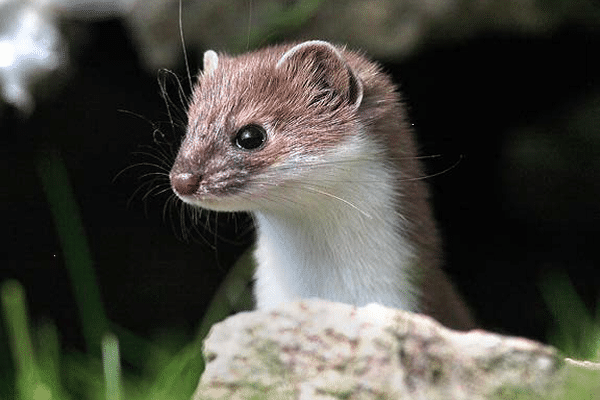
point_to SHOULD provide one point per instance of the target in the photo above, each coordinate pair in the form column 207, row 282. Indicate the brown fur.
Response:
column 387, row 118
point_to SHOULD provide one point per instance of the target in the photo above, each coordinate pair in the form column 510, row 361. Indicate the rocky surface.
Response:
column 321, row 350
column 385, row 29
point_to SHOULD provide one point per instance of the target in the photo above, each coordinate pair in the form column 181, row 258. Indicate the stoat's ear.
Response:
column 210, row 62
column 325, row 66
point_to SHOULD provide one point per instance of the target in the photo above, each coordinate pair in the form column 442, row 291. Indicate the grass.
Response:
column 42, row 372
column 576, row 332
column 35, row 368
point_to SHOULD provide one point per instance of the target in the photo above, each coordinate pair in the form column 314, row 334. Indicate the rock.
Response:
column 322, row 350
column 385, row 29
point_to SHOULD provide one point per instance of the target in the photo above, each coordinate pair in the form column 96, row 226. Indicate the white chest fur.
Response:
column 346, row 248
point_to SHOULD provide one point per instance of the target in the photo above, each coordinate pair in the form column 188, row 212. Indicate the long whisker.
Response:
column 339, row 165
column 185, row 57
column 436, row 173
column 312, row 189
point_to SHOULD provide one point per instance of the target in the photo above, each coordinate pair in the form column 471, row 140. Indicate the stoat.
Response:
column 313, row 141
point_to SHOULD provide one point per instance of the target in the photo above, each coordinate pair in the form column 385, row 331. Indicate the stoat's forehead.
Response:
column 250, row 89
column 239, row 92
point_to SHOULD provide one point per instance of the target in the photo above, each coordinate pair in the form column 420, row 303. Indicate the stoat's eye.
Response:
column 250, row 137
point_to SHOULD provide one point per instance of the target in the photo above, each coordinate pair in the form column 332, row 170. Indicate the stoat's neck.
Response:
column 349, row 248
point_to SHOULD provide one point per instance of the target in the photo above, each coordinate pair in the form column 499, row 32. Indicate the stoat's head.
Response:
column 263, row 123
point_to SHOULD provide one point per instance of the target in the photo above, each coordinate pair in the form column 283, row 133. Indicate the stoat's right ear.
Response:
column 210, row 62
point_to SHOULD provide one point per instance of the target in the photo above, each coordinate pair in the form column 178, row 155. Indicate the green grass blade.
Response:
column 112, row 367
column 575, row 333
column 48, row 356
column 280, row 21
column 15, row 316
column 34, row 379
column 67, row 220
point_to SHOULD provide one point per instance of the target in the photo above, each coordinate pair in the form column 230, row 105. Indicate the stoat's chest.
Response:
column 342, row 241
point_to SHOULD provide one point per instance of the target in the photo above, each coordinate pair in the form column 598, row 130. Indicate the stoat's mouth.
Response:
column 229, row 202
column 209, row 192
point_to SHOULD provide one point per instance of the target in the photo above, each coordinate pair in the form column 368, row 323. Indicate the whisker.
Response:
column 347, row 166
column 312, row 189
column 161, row 156
column 135, row 193
column 157, row 177
column 181, row 114
column 436, row 173
column 185, row 57
column 167, row 189
column 249, row 25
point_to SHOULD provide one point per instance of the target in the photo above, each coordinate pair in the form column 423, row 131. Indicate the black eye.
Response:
column 250, row 137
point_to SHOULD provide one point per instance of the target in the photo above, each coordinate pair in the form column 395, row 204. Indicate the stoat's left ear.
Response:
column 324, row 65
column 210, row 62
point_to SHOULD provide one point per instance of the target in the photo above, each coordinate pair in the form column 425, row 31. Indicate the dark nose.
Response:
column 185, row 183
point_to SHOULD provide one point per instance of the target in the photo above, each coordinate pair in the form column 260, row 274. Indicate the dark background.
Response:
column 465, row 100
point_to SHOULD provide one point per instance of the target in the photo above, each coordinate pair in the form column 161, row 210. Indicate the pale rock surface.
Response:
column 321, row 350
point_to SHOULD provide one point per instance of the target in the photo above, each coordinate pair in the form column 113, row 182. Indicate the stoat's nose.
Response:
column 185, row 183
